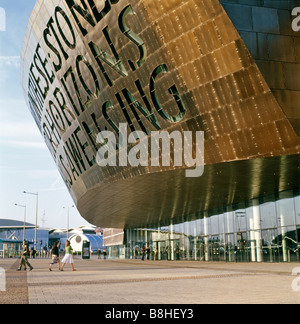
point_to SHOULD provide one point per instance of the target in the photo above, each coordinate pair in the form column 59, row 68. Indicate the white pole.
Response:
column 257, row 229
column 206, row 239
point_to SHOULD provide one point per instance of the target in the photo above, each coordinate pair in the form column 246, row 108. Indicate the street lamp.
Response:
column 24, row 206
column 68, row 219
column 36, row 214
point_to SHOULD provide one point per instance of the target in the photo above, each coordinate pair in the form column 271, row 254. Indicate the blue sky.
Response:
column 25, row 162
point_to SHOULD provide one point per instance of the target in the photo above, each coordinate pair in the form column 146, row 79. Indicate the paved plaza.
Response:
column 150, row 282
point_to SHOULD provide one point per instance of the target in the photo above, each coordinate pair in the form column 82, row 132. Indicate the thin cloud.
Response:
column 23, row 144
column 20, row 135
column 54, row 189
column 10, row 61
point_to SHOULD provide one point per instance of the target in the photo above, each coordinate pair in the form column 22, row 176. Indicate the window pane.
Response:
column 285, row 209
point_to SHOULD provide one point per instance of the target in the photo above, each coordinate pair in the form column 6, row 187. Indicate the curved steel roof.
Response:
column 10, row 223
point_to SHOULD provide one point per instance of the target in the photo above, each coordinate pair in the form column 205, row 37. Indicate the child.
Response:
column 68, row 257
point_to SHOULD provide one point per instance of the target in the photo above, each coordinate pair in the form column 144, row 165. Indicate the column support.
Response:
column 257, row 229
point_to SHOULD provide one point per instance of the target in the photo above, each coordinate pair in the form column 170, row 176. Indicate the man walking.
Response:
column 24, row 257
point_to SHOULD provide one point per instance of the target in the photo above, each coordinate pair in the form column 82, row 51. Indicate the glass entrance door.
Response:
column 242, row 252
column 204, row 250
column 230, row 248
column 162, row 250
column 215, row 248
column 175, row 252
column 271, row 245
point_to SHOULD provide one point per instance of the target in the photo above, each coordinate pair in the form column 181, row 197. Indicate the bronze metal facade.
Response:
column 164, row 65
column 265, row 27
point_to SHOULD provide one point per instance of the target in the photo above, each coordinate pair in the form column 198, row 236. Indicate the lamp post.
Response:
column 36, row 214
column 68, row 216
column 24, row 206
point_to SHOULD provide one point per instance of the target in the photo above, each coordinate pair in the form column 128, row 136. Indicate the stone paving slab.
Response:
column 157, row 282
column 16, row 283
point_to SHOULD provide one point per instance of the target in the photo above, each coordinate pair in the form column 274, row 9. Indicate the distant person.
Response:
column 143, row 250
column 99, row 254
column 55, row 256
column 104, row 254
column 24, row 257
column 68, row 258
column 45, row 250
column 177, row 252
column 148, row 252
column 155, row 253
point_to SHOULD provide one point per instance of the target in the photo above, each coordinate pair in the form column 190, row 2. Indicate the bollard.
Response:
column 2, row 280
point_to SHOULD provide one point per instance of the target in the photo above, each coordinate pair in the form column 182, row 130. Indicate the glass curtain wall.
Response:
column 260, row 230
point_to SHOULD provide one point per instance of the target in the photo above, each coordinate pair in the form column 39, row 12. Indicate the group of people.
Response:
column 68, row 258
column 99, row 254
column 146, row 251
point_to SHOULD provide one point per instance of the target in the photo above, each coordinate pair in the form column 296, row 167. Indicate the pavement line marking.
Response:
column 200, row 267
column 98, row 282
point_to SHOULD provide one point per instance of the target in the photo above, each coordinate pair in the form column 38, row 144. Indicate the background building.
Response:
column 11, row 238
column 12, row 233
column 96, row 242
column 77, row 236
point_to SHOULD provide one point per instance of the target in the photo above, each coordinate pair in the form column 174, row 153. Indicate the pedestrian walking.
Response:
column 143, row 250
column 155, row 253
column 55, row 255
column 24, row 257
column 148, row 252
column 68, row 258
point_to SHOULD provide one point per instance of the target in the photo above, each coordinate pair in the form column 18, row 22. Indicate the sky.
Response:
column 25, row 161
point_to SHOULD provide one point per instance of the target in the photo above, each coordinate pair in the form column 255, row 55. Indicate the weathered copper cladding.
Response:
column 86, row 66
column 275, row 46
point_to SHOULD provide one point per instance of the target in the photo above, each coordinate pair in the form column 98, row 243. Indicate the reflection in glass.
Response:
column 266, row 230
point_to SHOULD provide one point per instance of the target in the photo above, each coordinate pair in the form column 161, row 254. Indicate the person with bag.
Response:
column 24, row 257
column 55, row 256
